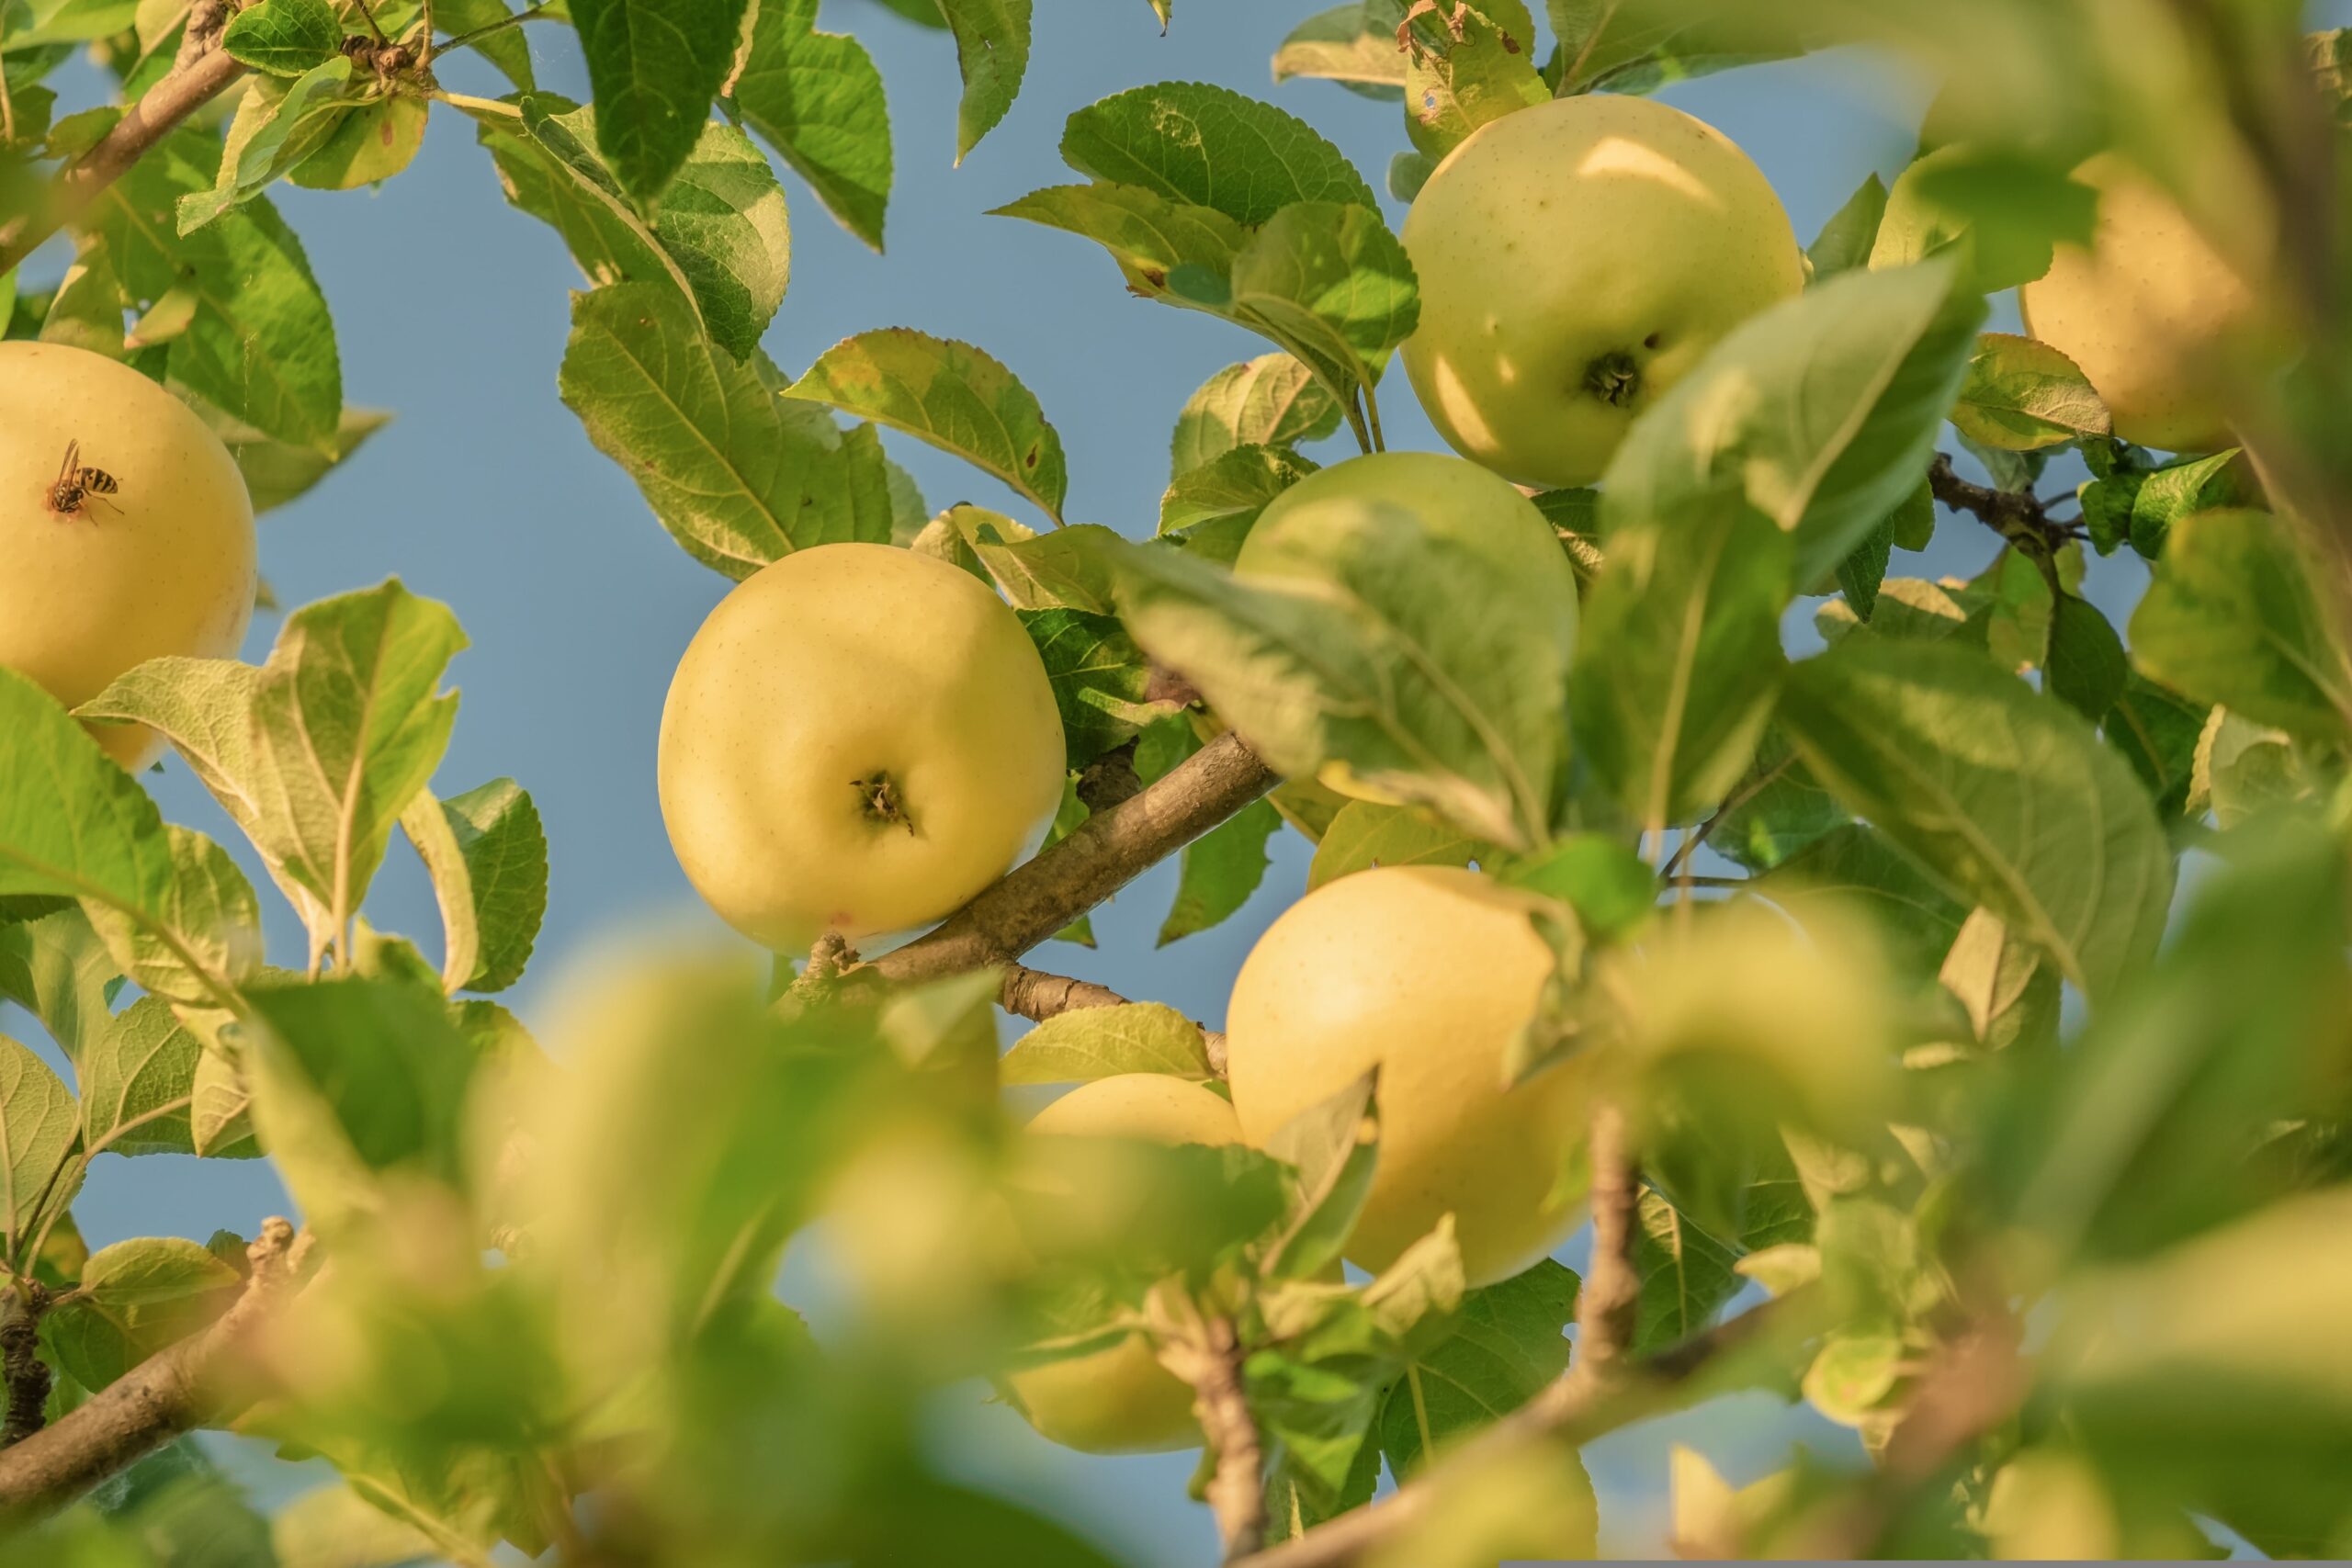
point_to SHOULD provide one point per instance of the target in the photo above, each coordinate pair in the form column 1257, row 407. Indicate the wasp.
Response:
column 76, row 483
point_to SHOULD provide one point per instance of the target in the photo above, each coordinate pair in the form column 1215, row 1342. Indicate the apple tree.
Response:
column 1927, row 996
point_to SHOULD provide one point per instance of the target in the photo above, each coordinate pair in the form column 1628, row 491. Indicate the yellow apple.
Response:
column 159, row 560
column 1575, row 260
column 1427, row 973
column 1307, row 530
column 1122, row 1400
column 859, row 740
column 2150, row 312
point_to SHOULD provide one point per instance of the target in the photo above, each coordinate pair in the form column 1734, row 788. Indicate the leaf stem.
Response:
column 466, row 40
column 1371, row 417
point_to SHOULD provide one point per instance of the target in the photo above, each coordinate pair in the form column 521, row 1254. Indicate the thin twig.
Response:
column 189, row 87
column 465, row 39
column 2017, row 515
column 1610, row 1297
column 1738, row 797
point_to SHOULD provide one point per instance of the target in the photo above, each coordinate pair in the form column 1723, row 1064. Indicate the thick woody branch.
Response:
column 175, row 1391
column 1107, row 852
column 202, row 73
column 20, row 1364
column 1038, row 996
column 1595, row 1399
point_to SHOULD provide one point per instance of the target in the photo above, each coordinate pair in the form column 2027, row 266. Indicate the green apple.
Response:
column 1307, row 529
column 1427, row 973
column 1121, row 1400
column 1575, row 260
column 859, row 740
column 2150, row 312
column 144, row 548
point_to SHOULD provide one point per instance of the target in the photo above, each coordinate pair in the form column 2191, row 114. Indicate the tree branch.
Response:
column 1594, row 1399
column 1107, row 852
column 1209, row 1358
column 1610, row 1297
column 2017, row 516
column 202, row 73
column 20, row 1364
column 174, row 1390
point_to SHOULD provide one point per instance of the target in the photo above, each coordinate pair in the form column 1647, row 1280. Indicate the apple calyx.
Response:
column 1614, row 377
column 878, row 791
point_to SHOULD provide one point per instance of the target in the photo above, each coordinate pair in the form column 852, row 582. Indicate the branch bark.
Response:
column 1210, row 1359
column 1594, row 1399
column 1107, row 852
column 174, row 1390
column 2009, row 513
column 201, row 73
column 20, row 1364
column 1609, row 1299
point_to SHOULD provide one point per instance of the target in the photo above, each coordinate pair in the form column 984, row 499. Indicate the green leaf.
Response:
column 1507, row 1342
column 1686, row 1275
column 654, row 66
column 1333, row 1147
column 1821, row 410
column 1210, row 509
column 200, row 932
column 1680, row 655
column 1777, row 809
column 71, row 821
column 1211, row 147
column 1607, row 45
column 285, row 37
column 38, row 1126
column 2022, row 395
column 949, row 394
column 135, row 1298
column 2233, row 618
column 1845, row 241
column 2182, row 489
column 2085, row 666
column 334, row 1526
column 2046, row 826
column 53, row 966
column 1218, row 871
column 1101, row 1042
column 738, row 475
column 1467, row 69
column 1999, row 212
column 2157, row 729
column 1863, row 573
column 1271, row 401
column 1331, row 285
column 275, row 471
column 505, row 48
column 1352, row 44
column 2010, row 993
column 816, row 99
column 1364, row 835
column 137, row 1081
column 1855, row 866
column 487, row 855
column 1149, row 236
column 721, row 236
column 992, row 51
column 352, row 1079
column 1367, row 665
column 1611, row 887
column 349, row 722
column 1100, row 679
column 260, row 345
column 277, row 125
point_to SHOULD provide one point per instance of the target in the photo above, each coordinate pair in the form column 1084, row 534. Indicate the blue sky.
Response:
column 452, row 310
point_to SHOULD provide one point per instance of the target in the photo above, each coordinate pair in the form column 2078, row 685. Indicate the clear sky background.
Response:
column 452, row 310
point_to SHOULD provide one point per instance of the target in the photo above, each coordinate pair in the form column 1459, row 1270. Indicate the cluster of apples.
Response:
column 860, row 739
